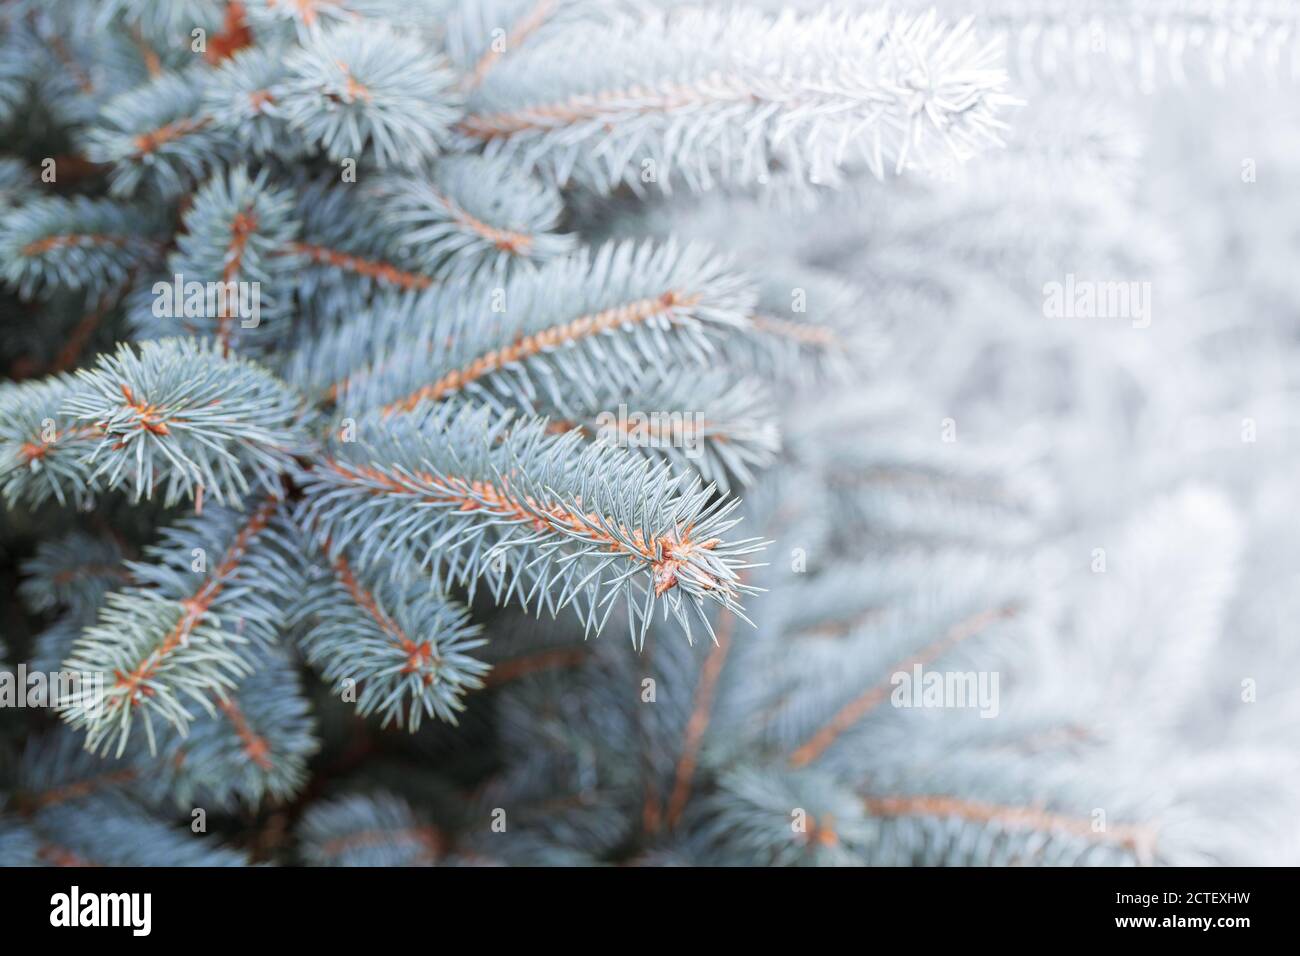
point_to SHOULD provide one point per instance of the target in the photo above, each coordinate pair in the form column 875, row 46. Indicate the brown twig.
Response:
column 666, row 555
column 524, row 27
column 370, row 268
column 193, row 609
column 553, row 659
column 588, row 326
column 705, row 692
column 867, row 701
column 1140, row 840
column 587, row 107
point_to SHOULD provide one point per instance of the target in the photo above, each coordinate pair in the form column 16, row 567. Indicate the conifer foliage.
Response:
column 356, row 418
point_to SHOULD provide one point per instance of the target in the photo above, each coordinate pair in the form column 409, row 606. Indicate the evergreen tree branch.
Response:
column 470, row 215
column 99, row 831
column 75, row 571
column 586, row 320
column 705, row 691
column 544, row 520
column 368, row 91
column 252, row 749
column 695, row 96
column 43, row 450
column 157, row 134
column 378, row 830
column 722, row 426
column 388, row 643
column 1137, row 839
column 868, row 700
column 165, row 641
column 179, row 413
column 54, row 243
column 233, row 244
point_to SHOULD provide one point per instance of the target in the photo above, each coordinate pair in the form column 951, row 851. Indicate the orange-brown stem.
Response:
column 48, row 243
column 71, row 64
column 87, row 570
column 193, row 609
column 255, row 746
column 1138, row 839
column 242, row 228
column 234, row 35
column 815, row 335
column 37, row 448
column 81, row 334
column 61, row 856
column 152, row 65
column 372, row 269
column 705, row 693
column 507, row 240
column 864, row 703
column 73, row 791
column 148, row 414
column 428, row 837
column 528, row 346
column 417, row 653
column 623, row 103
column 666, row 555
column 556, row 658
column 149, row 142
column 523, row 28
